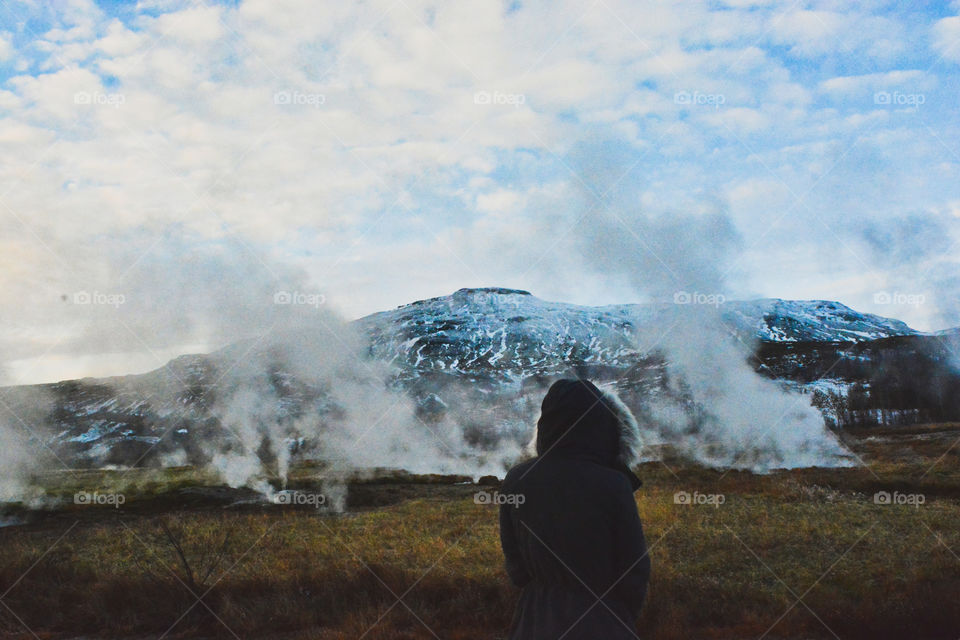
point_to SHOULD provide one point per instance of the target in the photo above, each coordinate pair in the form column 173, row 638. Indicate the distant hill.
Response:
column 476, row 351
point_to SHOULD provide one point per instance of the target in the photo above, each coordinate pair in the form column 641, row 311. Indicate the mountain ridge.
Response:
column 484, row 352
column 458, row 329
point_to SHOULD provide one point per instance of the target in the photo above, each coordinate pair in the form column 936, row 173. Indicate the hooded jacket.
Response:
column 572, row 537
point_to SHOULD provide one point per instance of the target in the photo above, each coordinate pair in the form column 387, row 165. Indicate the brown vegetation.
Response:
column 799, row 554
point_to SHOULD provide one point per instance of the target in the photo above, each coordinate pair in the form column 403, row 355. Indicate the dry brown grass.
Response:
column 801, row 554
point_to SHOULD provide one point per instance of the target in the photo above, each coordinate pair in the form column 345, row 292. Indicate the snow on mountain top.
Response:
column 770, row 319
column 779, row 320
column 478, row 330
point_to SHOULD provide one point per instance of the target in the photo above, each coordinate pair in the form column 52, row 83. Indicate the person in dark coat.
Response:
column 571, row 535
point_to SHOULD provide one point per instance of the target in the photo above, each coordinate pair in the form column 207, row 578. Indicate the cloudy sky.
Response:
column 168, row 168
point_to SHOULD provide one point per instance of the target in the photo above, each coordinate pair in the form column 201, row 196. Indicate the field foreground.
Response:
column 866, row 552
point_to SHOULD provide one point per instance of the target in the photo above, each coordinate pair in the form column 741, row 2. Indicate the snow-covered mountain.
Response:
column 776, row 320
column 516, row 334
column 488, row 342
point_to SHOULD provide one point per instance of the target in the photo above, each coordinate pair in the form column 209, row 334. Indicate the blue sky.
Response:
column 193, row 157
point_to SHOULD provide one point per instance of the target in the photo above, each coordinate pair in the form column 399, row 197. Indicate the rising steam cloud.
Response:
column 352, row 419
column 720, row 412
column 290, row 377
column 23, row 455
column 717, row 409
column 296, row 381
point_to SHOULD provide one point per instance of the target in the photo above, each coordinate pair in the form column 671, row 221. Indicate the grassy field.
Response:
column 800, row 554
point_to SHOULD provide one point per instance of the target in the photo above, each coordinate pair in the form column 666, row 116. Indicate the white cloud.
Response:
column 813, row 33
column 348, row 140
column 191, row 26
column 946, row 38
column 740, row 120
column 119, row 40
column 872, row 81
column 6, row 47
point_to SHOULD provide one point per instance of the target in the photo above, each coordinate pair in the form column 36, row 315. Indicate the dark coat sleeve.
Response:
column 515, row 565
column 632, row 561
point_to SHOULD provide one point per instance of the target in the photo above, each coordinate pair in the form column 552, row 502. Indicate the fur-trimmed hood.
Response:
column 579, row 419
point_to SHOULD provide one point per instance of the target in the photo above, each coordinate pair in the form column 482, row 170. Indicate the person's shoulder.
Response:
column 614, row 482
column 518, row 471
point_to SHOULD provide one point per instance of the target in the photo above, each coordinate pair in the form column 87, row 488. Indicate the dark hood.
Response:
column 578, row 420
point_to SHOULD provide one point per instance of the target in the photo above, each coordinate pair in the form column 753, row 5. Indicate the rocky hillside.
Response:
column 515, row 334
column 488, row 344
